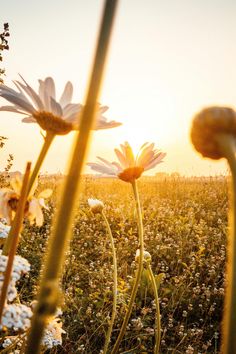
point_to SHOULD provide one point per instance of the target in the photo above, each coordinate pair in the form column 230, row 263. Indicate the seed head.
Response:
column 207, row 125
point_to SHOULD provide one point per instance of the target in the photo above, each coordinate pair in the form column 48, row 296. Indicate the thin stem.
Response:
column 158, row 316
column 15, row 230
column 108, row 336
column 138, row 272
column 227, row 145
column 61, row 232
column 47, row 143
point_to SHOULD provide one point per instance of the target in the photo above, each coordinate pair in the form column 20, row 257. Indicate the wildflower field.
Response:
column 185, row 227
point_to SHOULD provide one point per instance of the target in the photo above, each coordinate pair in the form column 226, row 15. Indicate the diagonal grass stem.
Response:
column 48, row 293
column 15, row 232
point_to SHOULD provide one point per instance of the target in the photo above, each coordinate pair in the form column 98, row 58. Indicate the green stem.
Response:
column 62, row 229
column 138, row 272
column 108, row 336
column 158, row 316
column 47, row 143
column 15, row 231
column 227, row 145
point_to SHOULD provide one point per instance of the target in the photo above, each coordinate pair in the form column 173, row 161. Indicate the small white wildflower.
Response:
column 96, row 205
column 146, row 256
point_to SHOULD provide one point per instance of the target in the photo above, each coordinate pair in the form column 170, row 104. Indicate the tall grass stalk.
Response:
column 158, row 315
column 114, row 303
column 138, row 271
column 15, row 233
column 48, row 293
column 227, row 144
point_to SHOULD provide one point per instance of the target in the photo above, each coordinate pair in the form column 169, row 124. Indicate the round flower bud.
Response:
column 207, row 125
column 147, row 258
column 96, row 205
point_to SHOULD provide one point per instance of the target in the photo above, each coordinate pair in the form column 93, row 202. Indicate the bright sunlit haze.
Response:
column 167, row 61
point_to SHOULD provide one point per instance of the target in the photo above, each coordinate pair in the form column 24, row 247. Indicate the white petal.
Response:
column 19, row 102
column 34, row 96
column 66, row 96
column 11, row 109
column 156, row 160
column 46, row 193
column 29, row 120
column 50, row 87
column 71, row 109
column 121, row 158
column 101, row 169
column 55, row 107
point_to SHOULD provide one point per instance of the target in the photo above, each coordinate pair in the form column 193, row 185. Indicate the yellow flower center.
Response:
column 131, row 173
column 50, row 122
column 13, row 203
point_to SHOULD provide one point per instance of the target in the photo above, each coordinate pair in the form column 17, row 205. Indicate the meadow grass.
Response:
column 185, row 227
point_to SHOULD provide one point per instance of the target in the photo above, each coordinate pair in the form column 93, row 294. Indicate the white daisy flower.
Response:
column 96, row 205
column 130, row 167
column 9, row 201
column 58, row 117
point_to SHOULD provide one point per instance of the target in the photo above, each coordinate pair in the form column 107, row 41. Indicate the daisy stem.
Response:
column 15, row 232
column 227, row 144
column 138, row 271
column 62, row 229
column 46, row 145
column 158, row 316
column 108, row 335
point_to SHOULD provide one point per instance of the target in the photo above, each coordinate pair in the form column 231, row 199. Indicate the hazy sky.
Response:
column 168, row 59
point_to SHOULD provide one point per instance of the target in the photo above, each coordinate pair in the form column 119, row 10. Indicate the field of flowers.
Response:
column 185, row 227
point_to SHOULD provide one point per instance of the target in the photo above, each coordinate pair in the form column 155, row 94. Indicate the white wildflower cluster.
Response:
column 20, row 267
column 16, row 317
column 4, row 230
column 11, row 291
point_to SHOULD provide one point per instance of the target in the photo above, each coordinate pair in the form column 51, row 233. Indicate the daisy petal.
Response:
column 55, row 107
column 66, row 96
column 19, row 102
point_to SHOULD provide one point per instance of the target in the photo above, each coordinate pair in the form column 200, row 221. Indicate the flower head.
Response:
column 130, row 167
column 147, row 258
column 206, row 127
column 9, row 201
column 96, row 205
column 58, row 117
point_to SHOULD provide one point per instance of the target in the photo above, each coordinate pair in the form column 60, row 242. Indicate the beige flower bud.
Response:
column 147, row 258
column 96, row 205
column 207, row 125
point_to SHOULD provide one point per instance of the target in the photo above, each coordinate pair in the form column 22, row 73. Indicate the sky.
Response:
column 168, row 59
